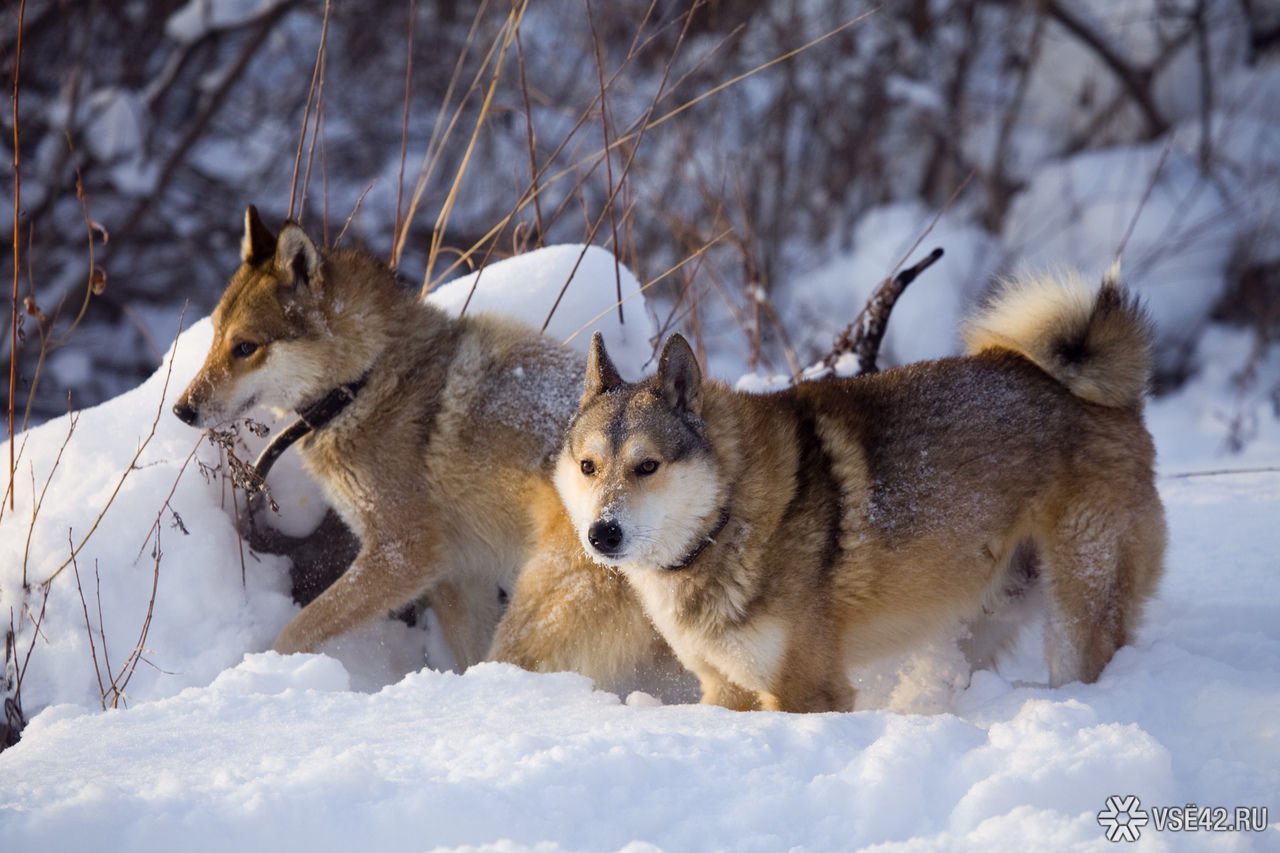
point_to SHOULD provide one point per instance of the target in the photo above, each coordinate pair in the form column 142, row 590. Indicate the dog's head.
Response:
column 637, row 473
column 268, row 331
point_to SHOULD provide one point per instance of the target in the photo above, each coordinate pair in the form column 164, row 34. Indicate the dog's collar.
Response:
column 328, row 407
column 310, row 419
column 708, row 539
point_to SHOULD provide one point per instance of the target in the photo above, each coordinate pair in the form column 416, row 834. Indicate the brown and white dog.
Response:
column 776, row 540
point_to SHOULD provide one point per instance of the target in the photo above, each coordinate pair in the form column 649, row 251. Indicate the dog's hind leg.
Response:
column 467, row 610
column 1014, row 600
column 1101, row 566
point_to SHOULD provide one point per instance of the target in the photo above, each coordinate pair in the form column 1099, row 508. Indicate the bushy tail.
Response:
column 1098, row 346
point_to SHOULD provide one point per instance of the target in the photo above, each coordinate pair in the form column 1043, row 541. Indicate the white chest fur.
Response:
column 750, row 653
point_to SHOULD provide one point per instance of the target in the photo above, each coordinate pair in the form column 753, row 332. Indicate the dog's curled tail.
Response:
column 1097, row 345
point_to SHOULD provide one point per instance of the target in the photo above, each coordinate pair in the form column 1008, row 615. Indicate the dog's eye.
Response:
column 244, row 349
column 588, row 467
column 647, row 467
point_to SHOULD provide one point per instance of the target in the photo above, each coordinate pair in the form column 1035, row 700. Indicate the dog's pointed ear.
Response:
column 602, row 376
column 258, row 243
column 679, row 377
column 297, row 258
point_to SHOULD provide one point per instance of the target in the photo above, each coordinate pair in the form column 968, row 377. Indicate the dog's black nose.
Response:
column 185, row 412
column 605, row 537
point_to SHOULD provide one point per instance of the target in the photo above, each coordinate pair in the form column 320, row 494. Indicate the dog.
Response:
column 777, row 540
column 431, row 435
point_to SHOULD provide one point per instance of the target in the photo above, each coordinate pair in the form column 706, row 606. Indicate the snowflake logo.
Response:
column 1123, row 818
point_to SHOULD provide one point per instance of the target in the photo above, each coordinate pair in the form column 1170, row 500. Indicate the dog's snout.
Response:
column 605, row 537
column 185, row 412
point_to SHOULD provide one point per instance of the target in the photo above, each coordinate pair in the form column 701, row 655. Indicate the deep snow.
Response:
column 223, row 746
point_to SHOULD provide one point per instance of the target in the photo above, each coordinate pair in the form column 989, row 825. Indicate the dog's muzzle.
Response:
column 186, row 413
column 606, row 537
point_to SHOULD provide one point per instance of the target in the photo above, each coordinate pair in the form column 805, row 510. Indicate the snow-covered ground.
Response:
column 219, row 745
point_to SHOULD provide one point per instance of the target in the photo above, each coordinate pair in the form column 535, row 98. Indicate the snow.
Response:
column 221, row 745
column 201, row 17
column 527, row 287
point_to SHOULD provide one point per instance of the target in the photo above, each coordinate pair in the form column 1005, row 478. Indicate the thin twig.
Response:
column 530, row 137
column 317, row 129
column 17, row 242
column 1201, row 28
column 155, row 525
column 1142, row 204
column 626, row 170
column 355, row 208
column 608, row 159
column 73, row 419
column 88, row 626
column 4, row 503
column 36, row 622
column 1224, row 472
column 404, row 119
column 133, row 464
column 641, row 126
column 510, row 28
column 442, row 130
column 317, row 70
column 213, row 103
column 1136, row 82
column 130, row 664
column 670, row 271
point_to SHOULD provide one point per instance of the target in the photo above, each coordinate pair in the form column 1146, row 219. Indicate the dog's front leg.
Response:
column 383, row 578
column 719, row 690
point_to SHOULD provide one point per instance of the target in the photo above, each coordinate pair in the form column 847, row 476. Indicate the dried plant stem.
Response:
column 1142, row 203
column 531, row 139
column 672, row 270
column 626, row 170
column 1224, row 472
column 404, row 120
column 643, row 125
column 442, row 130
column 130, row 468
column 88, row 626
column 155, row 525
column 1136, row 81
column 36, row 621
column 73, row 419
column 4, row 502
column 510, row 28
column 608, row 159
column 313, row 93
column 17, row 242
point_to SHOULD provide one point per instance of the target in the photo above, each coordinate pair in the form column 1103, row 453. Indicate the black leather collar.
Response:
column 310, row 419
column 708, row 539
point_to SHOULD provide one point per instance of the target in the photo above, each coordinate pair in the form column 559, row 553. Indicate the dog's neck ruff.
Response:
column 708, row 539
column 310, row 419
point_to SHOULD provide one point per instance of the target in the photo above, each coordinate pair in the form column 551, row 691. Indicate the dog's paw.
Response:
column 291, row 642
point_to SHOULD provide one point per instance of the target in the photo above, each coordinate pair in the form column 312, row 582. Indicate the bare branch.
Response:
column 1136, row 81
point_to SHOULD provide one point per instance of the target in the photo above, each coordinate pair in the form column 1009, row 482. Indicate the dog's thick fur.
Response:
column 776, row 540
column 452, row 435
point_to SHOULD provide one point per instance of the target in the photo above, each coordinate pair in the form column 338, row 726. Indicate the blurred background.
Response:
column 765, row 164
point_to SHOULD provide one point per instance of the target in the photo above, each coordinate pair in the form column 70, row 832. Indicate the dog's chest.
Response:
column 749, row 652
column 348, row 485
